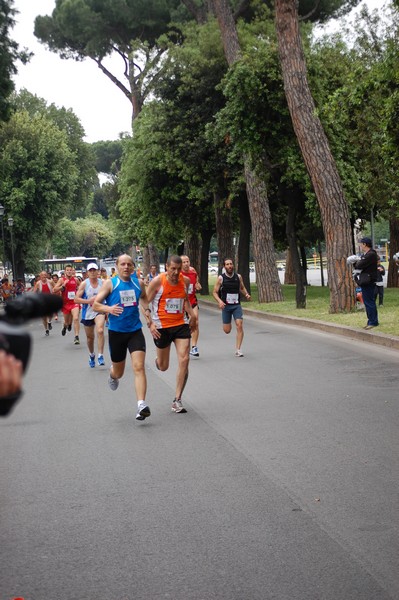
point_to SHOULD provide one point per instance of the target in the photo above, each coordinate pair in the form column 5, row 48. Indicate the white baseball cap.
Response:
column 92, row 266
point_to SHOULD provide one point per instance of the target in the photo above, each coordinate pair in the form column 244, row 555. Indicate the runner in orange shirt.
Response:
column 168, row 293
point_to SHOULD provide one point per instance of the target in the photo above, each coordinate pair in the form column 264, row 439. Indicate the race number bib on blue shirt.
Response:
column 128, row 298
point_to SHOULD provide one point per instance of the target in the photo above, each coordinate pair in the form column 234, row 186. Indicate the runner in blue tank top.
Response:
column 123, row 295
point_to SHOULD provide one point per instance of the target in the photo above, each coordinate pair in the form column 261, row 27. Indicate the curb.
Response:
column 380, row 339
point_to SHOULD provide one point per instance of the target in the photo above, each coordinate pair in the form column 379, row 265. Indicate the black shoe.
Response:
column 63, row 331
column 69, row 327
column 49, row 325
column 47, row 332
column 76, row 341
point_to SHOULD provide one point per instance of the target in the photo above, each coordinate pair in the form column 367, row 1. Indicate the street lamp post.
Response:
column 2, row 237
column 11, row 224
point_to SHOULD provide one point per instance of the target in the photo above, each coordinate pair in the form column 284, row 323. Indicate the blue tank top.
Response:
column 126, row 294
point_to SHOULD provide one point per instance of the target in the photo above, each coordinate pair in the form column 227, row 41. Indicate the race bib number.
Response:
column 71, row 295
column 191, row 289
column 232, row 298
column 128, row 298
column 174, row 305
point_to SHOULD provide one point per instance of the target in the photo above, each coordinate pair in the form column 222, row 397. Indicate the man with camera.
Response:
column 367, row 265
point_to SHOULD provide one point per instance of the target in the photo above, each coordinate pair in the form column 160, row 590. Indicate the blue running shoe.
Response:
column 101, row 360
column 92, row 361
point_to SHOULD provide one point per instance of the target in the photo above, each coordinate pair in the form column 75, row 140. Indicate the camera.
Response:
column 14, row 339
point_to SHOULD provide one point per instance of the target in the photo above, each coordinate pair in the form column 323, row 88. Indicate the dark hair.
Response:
column 226, row 259
column 175, row 259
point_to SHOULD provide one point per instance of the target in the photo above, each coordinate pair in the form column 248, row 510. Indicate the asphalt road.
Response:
column 281, row 481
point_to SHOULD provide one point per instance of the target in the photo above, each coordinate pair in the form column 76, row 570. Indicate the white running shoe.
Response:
column 178, row 407
column 239, row 353
column 143, row 411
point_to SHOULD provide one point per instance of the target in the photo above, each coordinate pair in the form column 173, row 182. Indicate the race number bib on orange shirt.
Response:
column 174, row 305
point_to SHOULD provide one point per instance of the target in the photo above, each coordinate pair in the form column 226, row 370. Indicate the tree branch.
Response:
column 242, row 6
column 198, row 12
column 114, row 79
column 311, row 13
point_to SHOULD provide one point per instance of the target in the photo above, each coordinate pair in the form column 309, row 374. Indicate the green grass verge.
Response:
column 318, row 304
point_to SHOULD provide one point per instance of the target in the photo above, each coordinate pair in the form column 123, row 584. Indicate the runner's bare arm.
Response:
column 215, row 292
column 103, row 293
column 243, row 289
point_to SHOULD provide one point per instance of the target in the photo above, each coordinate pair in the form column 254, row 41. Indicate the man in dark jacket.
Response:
column 368, row 266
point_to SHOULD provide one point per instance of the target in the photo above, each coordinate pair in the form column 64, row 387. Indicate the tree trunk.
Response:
column 244, row 242
column 304, row 261
column 300, row 292
column 321, row 263
column 317, row 156
column 267, row 279
column 289, row 273
column 223, row 230
column 393, row 277
column 192, row 248
column 269, row 288
column 206, row 236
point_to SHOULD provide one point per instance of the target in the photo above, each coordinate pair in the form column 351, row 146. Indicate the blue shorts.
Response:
column 231, row 310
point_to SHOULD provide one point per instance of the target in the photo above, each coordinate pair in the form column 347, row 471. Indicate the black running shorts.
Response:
column 120, row 342
column 169, row 334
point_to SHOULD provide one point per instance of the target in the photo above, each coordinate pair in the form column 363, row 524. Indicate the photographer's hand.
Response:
column 10, row 374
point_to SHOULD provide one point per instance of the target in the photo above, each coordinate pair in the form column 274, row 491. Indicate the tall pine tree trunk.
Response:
column 267, row 279
column 300, row 289
column 317, row 156
column 192, row 248
column 244, row 242
column 206, row 236
column 393, row 278
column 269, row 287
column 223, row 229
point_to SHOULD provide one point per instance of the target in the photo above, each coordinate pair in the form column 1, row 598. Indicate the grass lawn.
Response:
column 317, row 307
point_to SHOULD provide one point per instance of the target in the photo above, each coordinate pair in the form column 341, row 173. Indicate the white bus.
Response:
column 57, row 265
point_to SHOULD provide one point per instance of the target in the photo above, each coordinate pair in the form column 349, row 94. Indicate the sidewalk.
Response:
column 370, row 336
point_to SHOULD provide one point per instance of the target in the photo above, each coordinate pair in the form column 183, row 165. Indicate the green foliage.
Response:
column 9, row 54
column 38, row 178
column 360, row 114
column 80, row 28
column 68, row 122
column 170, row 170
column 108, row 156
column 91, row 236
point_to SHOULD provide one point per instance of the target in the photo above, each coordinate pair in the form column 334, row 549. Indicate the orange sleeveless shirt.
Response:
column 168, row 304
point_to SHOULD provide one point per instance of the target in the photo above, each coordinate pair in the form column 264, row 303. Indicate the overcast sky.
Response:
column 102, row 109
